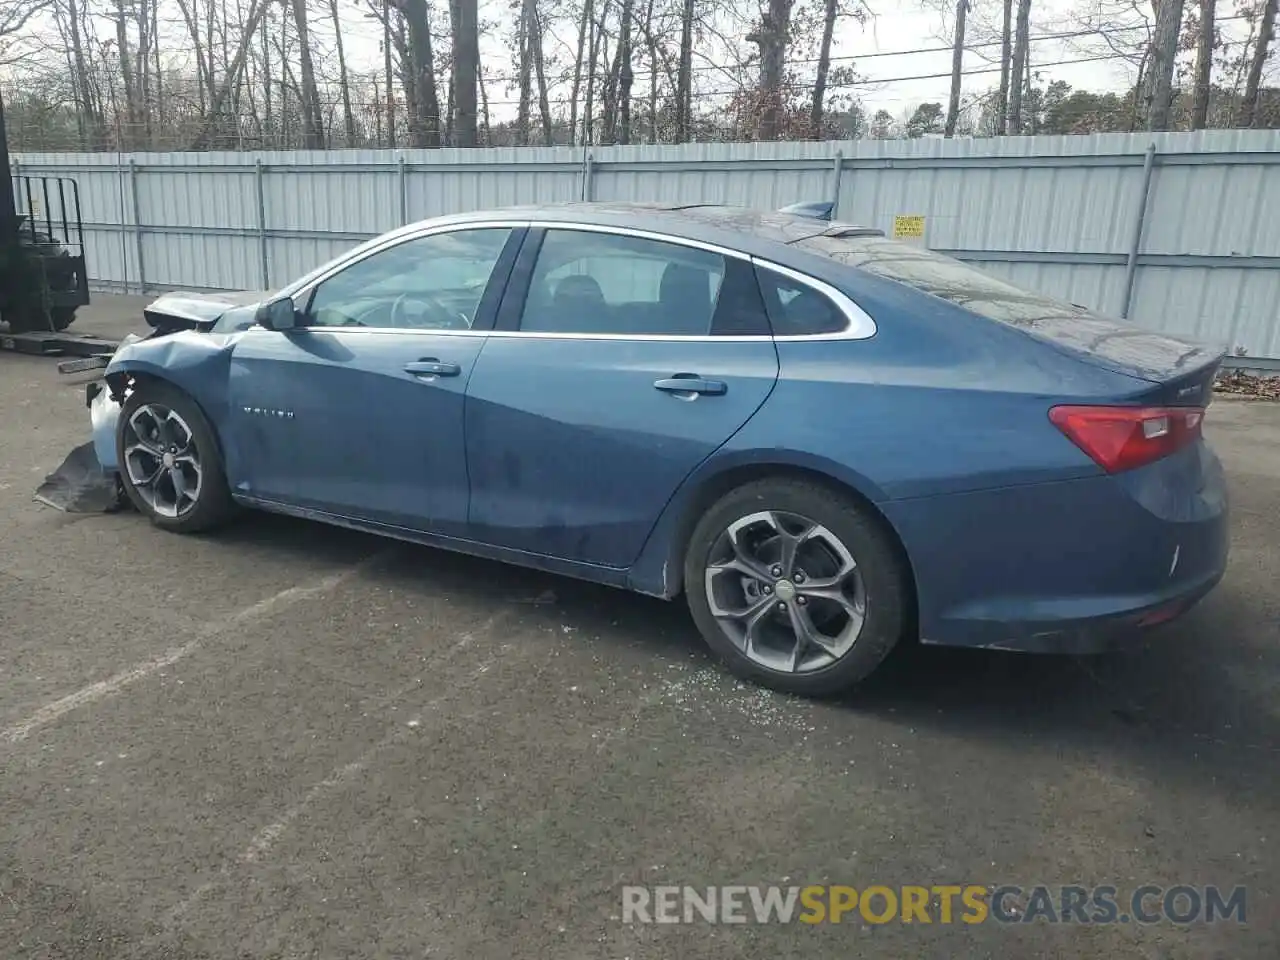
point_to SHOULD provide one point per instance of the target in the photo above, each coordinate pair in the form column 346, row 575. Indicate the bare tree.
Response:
column 525, row 45
column 387, row 74
column 344, row 83
column 232, row 76
column 540, row 71
column 424, row 117
column 1020, row 48
column 1204, row 65
column 830, row 11
column 771, row 36
column 652, row 45
column 1249, row 107
column 204, row 70
column 466, row 70
column 684, row 83
column 88, row 115
column 312, row 129
column 594, row 45
column 625, row 76
column 1158, row 86
column 128, row 83
column 1006, row 58
column 957, row 62
column 583, row 21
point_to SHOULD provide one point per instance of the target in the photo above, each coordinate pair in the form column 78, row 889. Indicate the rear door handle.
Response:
column 691, row 385
column 431, row 367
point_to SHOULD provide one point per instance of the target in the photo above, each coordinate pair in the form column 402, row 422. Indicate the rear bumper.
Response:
column 1079, row 566
column 1110, row 629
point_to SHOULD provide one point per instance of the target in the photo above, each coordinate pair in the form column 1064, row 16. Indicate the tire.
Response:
column 204, row 500
column 62, row 317
column 859, row 613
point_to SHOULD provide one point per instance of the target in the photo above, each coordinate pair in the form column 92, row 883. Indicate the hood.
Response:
column 198, row 311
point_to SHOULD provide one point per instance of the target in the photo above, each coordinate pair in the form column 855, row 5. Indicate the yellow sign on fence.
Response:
column 908, row 226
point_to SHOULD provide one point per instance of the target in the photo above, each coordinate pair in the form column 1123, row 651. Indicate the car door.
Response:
column 621, row 362
column 358, row 410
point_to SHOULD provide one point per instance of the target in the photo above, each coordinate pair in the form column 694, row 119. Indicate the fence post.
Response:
column 137, row 225
column 837, row 172
column 588, row 168
column 1139, row 224
column 404, row 189
column 260, row 192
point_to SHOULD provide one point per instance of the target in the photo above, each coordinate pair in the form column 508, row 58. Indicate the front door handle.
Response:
column 429, row 367
column 690, row 385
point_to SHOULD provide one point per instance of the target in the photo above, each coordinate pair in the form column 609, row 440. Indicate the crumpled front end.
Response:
column 104, row 412
column 88, row 480
column 194, row 360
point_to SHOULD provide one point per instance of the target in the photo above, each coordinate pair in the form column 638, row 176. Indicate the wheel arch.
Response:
column 120, row 377
column 709, row 485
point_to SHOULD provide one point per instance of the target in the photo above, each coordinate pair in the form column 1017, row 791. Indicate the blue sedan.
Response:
column 826, row 441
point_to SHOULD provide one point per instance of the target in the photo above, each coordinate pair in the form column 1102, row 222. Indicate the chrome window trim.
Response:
column 395, row 239
column 859, row 324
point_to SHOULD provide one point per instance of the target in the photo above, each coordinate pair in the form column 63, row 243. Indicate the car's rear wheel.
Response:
column 170, row 464
column 795, row 586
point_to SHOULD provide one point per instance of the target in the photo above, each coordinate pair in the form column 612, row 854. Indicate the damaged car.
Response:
column 824, row 440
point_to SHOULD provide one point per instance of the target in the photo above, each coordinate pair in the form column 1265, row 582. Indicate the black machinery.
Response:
column 42, row 265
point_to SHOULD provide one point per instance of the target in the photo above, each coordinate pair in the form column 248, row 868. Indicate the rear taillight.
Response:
column 1121, row 438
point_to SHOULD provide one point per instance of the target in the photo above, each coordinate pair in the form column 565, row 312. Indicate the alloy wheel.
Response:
column 161, row 459
column 786, row 591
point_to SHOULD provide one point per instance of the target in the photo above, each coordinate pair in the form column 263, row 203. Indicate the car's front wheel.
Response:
column 795, row 586
column 170, row 464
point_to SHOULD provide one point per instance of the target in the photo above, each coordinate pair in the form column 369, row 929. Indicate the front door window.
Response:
column 434, row 282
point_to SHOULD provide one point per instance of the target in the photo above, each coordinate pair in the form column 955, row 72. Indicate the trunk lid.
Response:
column 1183, row 370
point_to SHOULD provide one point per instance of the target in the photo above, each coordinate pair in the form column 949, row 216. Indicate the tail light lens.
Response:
column 1122, row 438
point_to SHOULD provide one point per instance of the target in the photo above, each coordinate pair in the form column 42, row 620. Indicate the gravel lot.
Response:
column 295, row 741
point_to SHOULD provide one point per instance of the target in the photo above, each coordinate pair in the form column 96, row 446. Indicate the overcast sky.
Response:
column 875, row 48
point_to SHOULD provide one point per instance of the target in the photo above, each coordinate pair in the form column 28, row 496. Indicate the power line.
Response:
column 871, row 83
column 881, row 54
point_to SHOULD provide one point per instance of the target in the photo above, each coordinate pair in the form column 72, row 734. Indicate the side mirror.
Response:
column 277, row 314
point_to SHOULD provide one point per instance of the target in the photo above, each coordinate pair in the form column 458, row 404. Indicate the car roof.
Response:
column 737, row 228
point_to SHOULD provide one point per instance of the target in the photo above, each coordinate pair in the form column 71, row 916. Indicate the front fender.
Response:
column 196, row 363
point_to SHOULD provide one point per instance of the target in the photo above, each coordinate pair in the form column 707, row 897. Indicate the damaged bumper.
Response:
column 104, row 412
column 88, row 480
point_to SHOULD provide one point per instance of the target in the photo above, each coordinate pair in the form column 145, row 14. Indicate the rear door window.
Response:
column 601, row 283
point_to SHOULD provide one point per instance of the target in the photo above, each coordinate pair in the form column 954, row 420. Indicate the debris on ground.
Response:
column 80, row 485
column 1254, row 386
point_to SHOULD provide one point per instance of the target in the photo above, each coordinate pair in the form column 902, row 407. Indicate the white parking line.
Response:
column 114, row 684
column 262, row 841
column 264, row 838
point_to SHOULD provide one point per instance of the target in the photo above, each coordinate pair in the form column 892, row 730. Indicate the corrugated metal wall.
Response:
column 1181, row 232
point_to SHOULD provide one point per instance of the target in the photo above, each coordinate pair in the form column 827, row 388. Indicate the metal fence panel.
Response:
column 195, row 260
column 1181, row 231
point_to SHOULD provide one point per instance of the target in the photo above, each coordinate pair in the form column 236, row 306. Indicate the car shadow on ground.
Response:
column 1187, row 700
